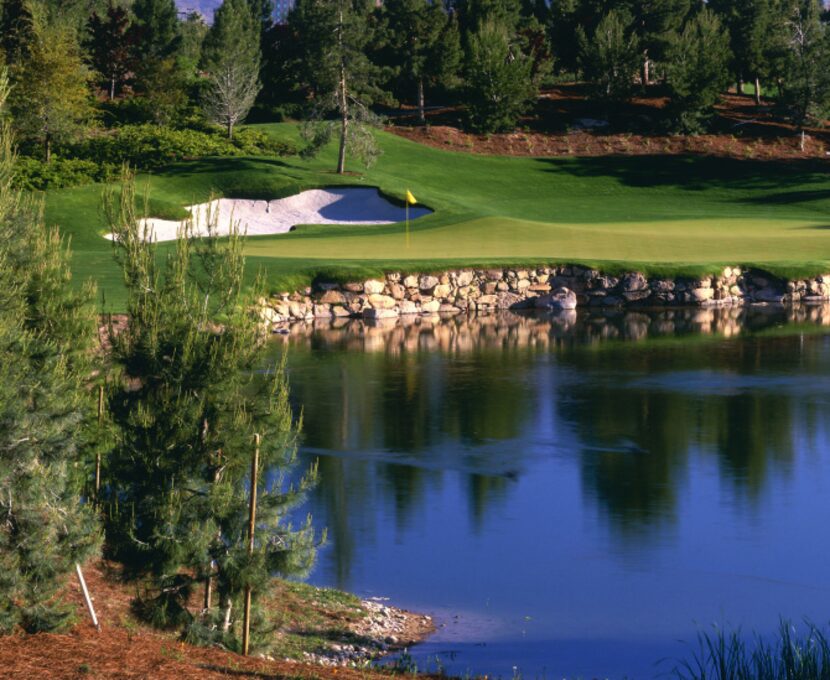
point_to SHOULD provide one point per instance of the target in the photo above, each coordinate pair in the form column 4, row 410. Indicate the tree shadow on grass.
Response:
column 701, row 173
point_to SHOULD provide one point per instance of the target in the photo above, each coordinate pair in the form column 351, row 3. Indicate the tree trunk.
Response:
column 47, row 147
column 112, row 88
column 757, row 91
column 230, row 129
column 739, row 87
column 645, row 73
column 421, row 113
column 226, row 624
column 803, row 139
column 344, row 104
column 208, row 593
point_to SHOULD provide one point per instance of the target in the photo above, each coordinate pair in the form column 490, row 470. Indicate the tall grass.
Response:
column 791, row 655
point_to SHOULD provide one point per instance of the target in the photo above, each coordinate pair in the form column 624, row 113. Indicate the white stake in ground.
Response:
column 87, row 598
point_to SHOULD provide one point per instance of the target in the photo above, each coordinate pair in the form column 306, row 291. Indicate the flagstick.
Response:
column 407, row 224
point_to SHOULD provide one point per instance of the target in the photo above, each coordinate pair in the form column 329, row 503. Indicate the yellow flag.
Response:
column 410, row 199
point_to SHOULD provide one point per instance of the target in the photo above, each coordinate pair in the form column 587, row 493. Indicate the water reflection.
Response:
column 472, row 430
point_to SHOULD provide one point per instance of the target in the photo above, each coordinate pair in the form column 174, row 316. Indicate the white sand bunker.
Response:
column 335, row 205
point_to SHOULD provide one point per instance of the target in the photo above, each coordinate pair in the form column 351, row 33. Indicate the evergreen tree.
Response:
column 611, row 58
column 805, row 87
column 46, row 335
column 111, row 44
column 748, row 23
column 499, row 86
column 159, row 25
column 17, row 30
column 656, row 23
column 562, row 29
column 231, row 58
column 341, row 80
column 424, row 44
column 160, row 78
column 51, row 99
column 188, row 395
column 698, row 71
column 193, row 31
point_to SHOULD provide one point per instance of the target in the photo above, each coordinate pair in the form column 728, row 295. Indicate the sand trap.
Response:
column 336, row 205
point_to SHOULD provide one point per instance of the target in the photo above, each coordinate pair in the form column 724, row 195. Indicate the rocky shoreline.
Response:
column 383, row 630
column 545, row 288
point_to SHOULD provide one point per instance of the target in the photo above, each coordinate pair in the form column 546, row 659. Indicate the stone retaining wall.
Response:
column 547, row 288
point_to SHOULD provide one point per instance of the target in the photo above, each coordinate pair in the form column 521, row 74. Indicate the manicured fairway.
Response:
column 659, row 213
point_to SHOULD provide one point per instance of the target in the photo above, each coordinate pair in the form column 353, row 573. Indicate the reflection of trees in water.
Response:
column 637, row 439
column 419, row 395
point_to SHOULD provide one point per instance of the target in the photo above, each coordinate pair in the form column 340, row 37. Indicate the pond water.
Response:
column 574, row 495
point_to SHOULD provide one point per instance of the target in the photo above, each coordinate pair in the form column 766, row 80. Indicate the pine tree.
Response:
column 46, row 335
column 424, row 45
column 51, row 101
column 111, row 45
column 188, row 395
column 231, row 58
column 332, row 65
column 611, row 58
column 805, row 87
column 16, row 30
column 748, row 23
column 499, row 84
column 656, row 23
column 159, row 25
column 698, row 71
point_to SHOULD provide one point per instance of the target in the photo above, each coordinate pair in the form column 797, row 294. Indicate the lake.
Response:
column 573, row 495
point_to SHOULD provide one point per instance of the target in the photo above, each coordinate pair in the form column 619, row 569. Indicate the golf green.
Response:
column 654, row 213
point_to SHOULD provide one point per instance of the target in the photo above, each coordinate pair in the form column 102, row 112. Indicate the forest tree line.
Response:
column 80, row 69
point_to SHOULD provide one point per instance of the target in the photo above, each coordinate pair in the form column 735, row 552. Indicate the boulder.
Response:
column 700, row 295
column 377, row 301
column 332, row 297
column 373, row 287
column 397, row 291
column 427, row 283
column 430, row 307
column 464, row 278
column 442, row 290
column 560, row 298
column 508, row 300
column 374, row 314
column 408, row 307
column 634, row 281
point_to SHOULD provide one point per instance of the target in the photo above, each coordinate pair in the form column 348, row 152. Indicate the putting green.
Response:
column 650, row 212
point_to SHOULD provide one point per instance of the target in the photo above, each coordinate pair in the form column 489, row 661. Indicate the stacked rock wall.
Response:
column 487, row 290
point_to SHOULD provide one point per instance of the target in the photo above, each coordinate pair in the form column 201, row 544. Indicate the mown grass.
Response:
column 663, row 215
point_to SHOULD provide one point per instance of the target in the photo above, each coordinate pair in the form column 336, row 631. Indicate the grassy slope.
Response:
column 660, row 214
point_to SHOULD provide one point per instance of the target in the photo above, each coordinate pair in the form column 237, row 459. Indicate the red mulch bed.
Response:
column 126, row 649
column 749, row 132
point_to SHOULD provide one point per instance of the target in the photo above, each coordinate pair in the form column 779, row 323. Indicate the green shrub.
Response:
column 151, row 146
column 32, row 174
column 144, row 147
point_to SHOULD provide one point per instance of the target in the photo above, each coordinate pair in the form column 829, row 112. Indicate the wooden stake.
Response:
column 98, row 454
column 87, row 598
column 246, row 619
